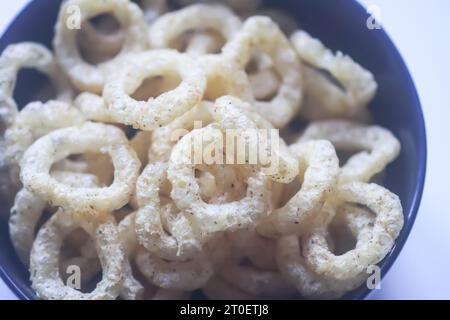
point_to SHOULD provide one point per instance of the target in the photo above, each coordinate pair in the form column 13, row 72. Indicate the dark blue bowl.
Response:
column 341, row 24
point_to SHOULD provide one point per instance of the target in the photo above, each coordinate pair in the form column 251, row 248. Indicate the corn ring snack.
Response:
column 310, row 285
column 319, row 169
column 26, row 55
column 182, row 243
column 264, row 34
column 181, row 165
column 35, row 120
column 318, row 85
column 379, row 145
column 44, row 261
column 28, row 208
column 89, row 137
column 212, row 218
column 172, row 25
column 24, row 216
column 359, row 85
column 294, row 266
column 88, row 77
column 371, row 249
column 232, row 113
column 184, row 276
column 149, row 115
column 132, row 289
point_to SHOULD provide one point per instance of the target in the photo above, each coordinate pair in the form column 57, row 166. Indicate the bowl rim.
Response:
column 363, row 292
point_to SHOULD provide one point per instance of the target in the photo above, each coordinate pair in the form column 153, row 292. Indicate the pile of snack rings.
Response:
column 99, row 183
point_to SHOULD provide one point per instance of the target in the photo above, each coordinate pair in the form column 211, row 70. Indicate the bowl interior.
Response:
column 341, row 25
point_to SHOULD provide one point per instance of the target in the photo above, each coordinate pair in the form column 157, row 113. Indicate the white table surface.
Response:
column 421, row 31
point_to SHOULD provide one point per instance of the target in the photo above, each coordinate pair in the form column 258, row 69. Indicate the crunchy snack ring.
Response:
column 186, row 193
column 294, row 267
column 89, row 137
column 28, row 209
column 232, row 113
column 359, row 86
column 44, row 260
column 26, row 55
column 319, row 169
column 35, row 120
column 182, row 243
column 172, row 25
column 151, row 114
column 132, row 289
column 370, row 249
column 185, row 276
column 24, row 216
column 379, row 145
column 264, row 34
column 88, row 77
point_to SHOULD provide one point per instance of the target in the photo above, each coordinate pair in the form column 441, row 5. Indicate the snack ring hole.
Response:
column 33, row 85
column 78, row 251
column 289, row 190
column 107, row 26
column 258, row 68
column 342, row 240
column 106, row 23
column 153, row 87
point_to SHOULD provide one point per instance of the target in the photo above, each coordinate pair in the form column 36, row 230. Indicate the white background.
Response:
column 421, row 31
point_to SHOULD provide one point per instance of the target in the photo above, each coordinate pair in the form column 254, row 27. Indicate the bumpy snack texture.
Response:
column 166, row 160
